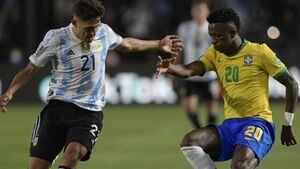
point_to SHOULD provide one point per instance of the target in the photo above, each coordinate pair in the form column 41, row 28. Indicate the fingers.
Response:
column 173, row 53
column 172, row 36
column 282, row 141
column 290, row 141
column 3, row 109
column 287, row 136
column 176, row 50
column 162, row 65
column 159, row 59
column 158, row 66
column 177, row 41
column 3, row 102
column 172, row 59
column 158, row 72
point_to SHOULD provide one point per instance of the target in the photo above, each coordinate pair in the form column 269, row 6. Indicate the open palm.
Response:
column 171, row 44
column 163, row 65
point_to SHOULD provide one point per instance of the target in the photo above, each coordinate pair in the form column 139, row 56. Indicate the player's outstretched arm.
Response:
column 169, row 44
column 291, row 85
column 183, row 71
column 19, row 80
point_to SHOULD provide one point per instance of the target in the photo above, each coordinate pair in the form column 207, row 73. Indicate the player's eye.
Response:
column 218, row 35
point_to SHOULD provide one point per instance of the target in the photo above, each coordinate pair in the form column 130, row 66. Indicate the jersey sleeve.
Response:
column 207, row 59
column 114, row 39
column 271, row 63
column 45, row 51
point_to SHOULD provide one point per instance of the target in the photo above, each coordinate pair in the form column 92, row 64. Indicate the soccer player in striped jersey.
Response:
column 196, row 40
column 72, row 119
column 243, row 67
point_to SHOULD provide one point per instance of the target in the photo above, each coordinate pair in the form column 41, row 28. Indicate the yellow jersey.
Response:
column 244, row 78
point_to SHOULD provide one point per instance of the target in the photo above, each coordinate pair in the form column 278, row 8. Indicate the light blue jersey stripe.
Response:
column 67, row 62
column 99, row 86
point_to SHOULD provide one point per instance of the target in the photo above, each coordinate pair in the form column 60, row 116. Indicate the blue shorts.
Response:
column 253, row 132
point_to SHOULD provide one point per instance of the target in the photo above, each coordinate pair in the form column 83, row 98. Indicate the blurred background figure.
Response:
column 196, row 40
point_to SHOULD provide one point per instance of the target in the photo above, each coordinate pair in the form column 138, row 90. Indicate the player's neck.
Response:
column 76, row 33
column 199, row 22
column 235, row 47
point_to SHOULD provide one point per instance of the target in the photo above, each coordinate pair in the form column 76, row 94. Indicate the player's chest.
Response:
column 83, row 57
column 238, row 69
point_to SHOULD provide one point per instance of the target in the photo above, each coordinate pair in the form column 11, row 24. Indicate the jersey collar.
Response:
column 72, row 33
column 244, row 42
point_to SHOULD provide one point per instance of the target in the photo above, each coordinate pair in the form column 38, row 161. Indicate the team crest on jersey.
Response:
column 248, row 59
column 96, row 46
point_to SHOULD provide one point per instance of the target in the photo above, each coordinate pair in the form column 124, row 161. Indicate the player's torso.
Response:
column 77, row 62
column 80, row 60
column 244, row 82
column 79, row 68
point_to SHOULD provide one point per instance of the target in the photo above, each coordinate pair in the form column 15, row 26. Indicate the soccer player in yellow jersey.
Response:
column 243, row 68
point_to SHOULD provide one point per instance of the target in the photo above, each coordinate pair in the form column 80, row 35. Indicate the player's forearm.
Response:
column 136, row 45
column 20, row 80
column 180, row 71
column 291, row 96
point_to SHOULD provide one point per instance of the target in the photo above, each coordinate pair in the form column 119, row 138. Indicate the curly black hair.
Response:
column 88, row 9
column 225, row 15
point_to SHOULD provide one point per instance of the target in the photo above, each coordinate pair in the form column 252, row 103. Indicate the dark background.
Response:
column 23, row 24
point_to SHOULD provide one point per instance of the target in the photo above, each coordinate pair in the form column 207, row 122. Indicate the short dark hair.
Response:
column 88, row 9
column 225, row 15
column 197, row 2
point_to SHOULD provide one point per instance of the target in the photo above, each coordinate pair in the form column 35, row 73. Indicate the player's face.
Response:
column 86, row 30
column 200, row 12
column 221, row 37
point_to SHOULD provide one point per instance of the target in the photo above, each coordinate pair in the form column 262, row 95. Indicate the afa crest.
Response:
column 248, row 59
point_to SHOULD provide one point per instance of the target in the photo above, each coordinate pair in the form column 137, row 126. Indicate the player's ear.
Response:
column 74, row 22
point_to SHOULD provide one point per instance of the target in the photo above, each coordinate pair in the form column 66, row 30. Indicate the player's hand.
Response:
column 287, row 136
column 4, row 99
column 163, row 65
column 171, row 44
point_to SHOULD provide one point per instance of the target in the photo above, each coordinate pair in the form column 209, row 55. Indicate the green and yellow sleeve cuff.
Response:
column 280, row 73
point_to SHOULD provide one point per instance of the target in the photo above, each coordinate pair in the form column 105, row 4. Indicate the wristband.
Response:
column 289, row 118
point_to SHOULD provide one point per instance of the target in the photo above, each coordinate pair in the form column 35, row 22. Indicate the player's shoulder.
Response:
column 63, row 31
column 104, row 27
column 53, row 36
column 256, row 47
column 185, row 24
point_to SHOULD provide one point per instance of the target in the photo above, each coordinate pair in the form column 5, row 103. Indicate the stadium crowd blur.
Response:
column 24, row 23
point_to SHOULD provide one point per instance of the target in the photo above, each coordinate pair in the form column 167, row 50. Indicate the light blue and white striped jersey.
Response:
column 196, row 41
column 77, row 73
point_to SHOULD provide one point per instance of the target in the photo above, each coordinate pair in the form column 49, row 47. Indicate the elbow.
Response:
column 126, row 46
column 127, row 49
column 187, row 75
column 293, row 85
